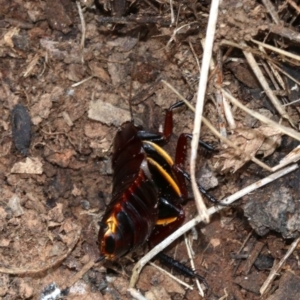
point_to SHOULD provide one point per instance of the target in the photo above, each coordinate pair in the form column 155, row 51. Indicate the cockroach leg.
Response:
column 99, row 259
column 170, row 218
column 180, row 158
column 202, row 189
column 183, row 269
column 148, row 190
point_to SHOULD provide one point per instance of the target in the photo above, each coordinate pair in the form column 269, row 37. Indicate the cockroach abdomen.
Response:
column 21, row 128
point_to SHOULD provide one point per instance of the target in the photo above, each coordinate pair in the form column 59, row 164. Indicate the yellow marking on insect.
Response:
column 166, row 175
column 162, row 152
column 112, row 224
column 166, row 221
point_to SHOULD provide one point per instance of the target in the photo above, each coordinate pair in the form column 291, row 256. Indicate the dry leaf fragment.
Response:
column 30, row 166
column 107, row 113
column 4, row 243
column 157, row 293
column 262, row 140
column 41, row 109
column 62, row 159
column 9, row 35
column 99, row 72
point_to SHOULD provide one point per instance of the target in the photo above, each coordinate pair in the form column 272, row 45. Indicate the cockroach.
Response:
column 148, row 189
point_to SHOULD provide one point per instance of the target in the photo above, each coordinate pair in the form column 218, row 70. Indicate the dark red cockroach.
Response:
column 148, row 189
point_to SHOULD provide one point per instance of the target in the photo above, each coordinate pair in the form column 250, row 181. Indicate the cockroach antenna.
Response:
column 131, row 82
column 130, row 97
column 100, row 259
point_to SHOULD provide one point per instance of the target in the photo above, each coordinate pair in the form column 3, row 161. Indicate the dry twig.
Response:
column 277, row 50
column 294, row 5
column 260, row 77
column 83, row 29
column 136, row 294
column 189, row 251
column 277, row 267
column 272, row 11
column 211, row 27
column 216, row 133
column 285, row 130
column 252, row 257
column 79, row 274
column 171, row 276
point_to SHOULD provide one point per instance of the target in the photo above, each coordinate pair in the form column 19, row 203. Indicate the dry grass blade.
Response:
column 177, row 30
column 136, row 294
column 272, row 11
column 259, row 75
column 277, row 267
column 211, row 28
column 83, row 29
column 277, row 50
column 189, row 251
column 292, row 157
column 285, row 130
column 223, row 108
column 215, row 132
column 172, row 276
column 186, row 227
column 294, row 5
column 286, row 74
column 79, row 275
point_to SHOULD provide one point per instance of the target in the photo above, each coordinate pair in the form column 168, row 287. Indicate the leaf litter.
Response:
column 48, row 232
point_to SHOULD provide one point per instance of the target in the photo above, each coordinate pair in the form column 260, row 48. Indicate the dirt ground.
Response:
column 55, row 169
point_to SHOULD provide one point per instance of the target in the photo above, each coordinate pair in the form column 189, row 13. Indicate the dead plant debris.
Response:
column 67, row 71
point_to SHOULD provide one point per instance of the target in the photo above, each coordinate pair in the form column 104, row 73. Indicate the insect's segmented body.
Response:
column 148, row 189
column 140, row 182
column 133, row 209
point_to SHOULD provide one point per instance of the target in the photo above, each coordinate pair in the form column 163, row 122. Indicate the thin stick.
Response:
column 216, row 133
column 261, row 78
column 294, row 5
column 216, row 74
column 172, row 13
column 133, row 19
column 286, row 130
column 271, row 10
column 210, row 33
column 244, row 244
column 287, row 74
column 176, row 30
column 225, row 295
column 79, row 274
column 276, row 269
column 252, row 257
column 293, row 102
column 171, row 276
column 83, row 29
column 277, row 50
column 82, row 81
column 195, row 56
column 186, row 227
column 189, row 251
column 136, row 294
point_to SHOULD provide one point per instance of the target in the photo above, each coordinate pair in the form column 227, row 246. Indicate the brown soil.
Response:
column 52, row 199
